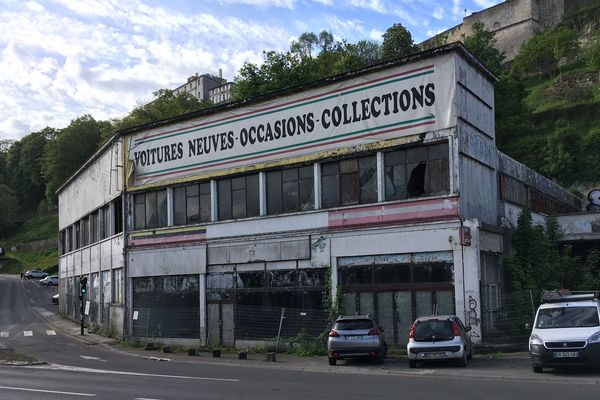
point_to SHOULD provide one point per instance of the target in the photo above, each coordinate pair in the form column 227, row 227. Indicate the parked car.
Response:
column 354, row 337
column 55, row 299
column 50, row 280
column 439, row 337
column 35, row 274
column 566, row 331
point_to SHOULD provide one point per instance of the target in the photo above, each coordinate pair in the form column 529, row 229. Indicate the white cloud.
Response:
column 262, row 3
column 34, row 6
column 373, row 5
column 486, row 3
column 439, row 13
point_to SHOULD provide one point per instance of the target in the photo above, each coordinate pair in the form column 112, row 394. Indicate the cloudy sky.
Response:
column 60, row 59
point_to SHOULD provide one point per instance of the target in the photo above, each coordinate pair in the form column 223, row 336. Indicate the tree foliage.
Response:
column 165, row 104
column 543, row 53
column 397, row 42
column 9, row 210
column 540, row 262
column 482, row 42
column 311, row 57
column 591, row 52
column 68, row 151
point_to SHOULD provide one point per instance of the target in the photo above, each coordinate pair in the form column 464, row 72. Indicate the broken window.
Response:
column 290, row 190
column 282, row 278
column 254, row 279
column 417, row 171
column 349, row 182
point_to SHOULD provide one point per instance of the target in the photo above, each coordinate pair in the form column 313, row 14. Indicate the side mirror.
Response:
column 381, row 328
column 467, row 328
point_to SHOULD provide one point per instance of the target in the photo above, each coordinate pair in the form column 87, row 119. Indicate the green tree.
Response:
column 539, row 261
column 589, row 167
column 561, row 153
column 397, row 42
column 482, row 43
column 165, row 105
column 591, row 52
column 68, row 151
column 311, row 57
column 9, row 210
column 543, row 53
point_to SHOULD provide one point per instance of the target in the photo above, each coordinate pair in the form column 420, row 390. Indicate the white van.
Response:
column 566, row 331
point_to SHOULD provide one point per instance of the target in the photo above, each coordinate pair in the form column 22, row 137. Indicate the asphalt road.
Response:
column 76, row 369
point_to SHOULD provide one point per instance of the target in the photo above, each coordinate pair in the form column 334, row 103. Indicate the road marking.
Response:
column 27, row 333
column 144, row 398
column 92, row 358
column 51, row 332
column 47, row 391
column 3, row 334
column 104, row 371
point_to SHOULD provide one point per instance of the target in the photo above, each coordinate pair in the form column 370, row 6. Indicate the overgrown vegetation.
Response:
column 541, row 262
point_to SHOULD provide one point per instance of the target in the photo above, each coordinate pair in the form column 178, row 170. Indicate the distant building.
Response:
column 207, row 87
column 220, row 94
column 514, row 22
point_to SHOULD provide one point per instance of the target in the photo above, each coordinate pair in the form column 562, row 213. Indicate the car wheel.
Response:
column 462, row 362
column 412, row 363
column 332, row 361
column 537, row 369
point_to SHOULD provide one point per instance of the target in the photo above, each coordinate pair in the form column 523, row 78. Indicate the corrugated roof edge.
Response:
column 448, row 48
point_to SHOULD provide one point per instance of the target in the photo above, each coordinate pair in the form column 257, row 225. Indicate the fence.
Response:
column 258, row 323
column 167, row 323
column 505, row 316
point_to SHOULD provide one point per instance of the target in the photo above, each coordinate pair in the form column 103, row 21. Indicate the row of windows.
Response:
column 96, row 226
column 517, row 192
column 409, row 173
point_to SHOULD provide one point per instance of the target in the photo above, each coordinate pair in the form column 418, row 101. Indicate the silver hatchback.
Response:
column 356, row 337
column 439, row 337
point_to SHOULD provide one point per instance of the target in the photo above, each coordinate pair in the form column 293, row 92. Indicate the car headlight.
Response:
column 595, row 338
column 535, row 339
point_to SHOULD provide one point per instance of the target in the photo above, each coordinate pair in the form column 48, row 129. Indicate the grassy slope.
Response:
column 34, row 229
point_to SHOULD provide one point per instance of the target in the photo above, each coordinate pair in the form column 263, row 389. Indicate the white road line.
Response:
column 3, row 334
column 104, row 371
column 51, row 332
column 47, row 391
column 144, row 398
column 27, row 333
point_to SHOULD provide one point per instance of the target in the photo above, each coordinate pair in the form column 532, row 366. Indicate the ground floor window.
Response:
column 396, row 294
column 167, row 306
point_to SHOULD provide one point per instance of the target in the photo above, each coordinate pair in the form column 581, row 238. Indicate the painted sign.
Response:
column 400, row 101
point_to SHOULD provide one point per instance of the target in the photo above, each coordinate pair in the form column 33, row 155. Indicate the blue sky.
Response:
column 60, row 59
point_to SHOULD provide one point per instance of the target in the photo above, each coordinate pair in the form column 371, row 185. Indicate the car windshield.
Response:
column 353, row 324
column 567, row 317
column 426, row 330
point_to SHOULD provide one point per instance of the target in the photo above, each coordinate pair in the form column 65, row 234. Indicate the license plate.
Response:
column 352, row 337
column 433, row 355
column 566, row 354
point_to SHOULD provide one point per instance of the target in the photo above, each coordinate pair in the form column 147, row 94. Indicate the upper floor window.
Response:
column 191, row 204
column 150, row 209
column 118, row 216
column 94, row 226
column 290, row 190
column 417, row 171
column 104, row 222
column 349, row 182
column 238, row 197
